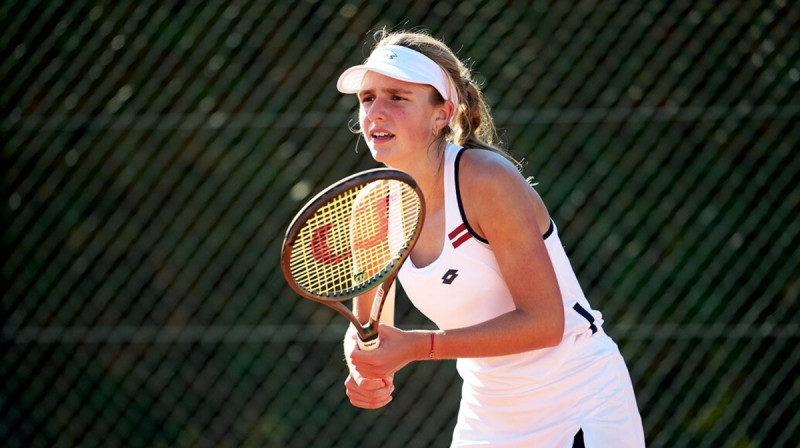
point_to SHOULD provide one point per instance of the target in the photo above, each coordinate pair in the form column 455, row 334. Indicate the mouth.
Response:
column 381, row 136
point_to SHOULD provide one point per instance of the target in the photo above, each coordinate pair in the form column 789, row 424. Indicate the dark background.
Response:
column 153, row 153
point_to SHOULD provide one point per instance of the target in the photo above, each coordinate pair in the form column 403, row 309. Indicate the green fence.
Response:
column 153, row 153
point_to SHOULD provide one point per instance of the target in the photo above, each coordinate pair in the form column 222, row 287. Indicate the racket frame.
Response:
column 367, row 333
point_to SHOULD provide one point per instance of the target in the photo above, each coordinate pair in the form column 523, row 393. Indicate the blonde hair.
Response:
column 472, row 125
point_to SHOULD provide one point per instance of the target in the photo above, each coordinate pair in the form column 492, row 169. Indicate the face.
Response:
column 397, row 119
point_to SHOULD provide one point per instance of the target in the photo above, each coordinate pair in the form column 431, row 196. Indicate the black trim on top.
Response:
column 586, row 315
column 578, row 441
column 549, row 230
column 461, row 204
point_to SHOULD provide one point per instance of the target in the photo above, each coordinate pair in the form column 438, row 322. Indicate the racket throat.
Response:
column 368, row 337
column 377, row 306
column 369, row 333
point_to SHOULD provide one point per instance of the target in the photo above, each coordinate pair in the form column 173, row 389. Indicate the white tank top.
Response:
column 464, row 287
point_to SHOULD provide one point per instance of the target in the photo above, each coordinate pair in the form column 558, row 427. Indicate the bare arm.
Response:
column 492, row 187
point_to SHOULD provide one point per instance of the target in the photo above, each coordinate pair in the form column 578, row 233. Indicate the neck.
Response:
column 432, row 190
column 429, row 176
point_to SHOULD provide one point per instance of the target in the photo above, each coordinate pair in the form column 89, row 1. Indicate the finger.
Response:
column 366, row 368
column 364, row 382
column 370, row 404
column 372, row 372
column 371, row 399
column 374, row 393
column 371, row 384
column 362, row 358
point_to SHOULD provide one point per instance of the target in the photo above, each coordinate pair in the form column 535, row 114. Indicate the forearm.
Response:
column 513, row 332
column 510, row 333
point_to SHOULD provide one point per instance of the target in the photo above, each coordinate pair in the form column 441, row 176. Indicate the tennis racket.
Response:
column 351, row 238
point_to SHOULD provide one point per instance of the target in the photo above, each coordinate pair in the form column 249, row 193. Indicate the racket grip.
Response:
column 370, row 344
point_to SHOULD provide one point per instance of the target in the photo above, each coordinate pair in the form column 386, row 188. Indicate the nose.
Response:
column 375, row 110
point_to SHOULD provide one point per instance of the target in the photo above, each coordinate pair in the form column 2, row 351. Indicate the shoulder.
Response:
column 493, row 186
column 485, row 164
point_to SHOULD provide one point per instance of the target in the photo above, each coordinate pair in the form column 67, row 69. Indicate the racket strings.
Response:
column 356, row 238
column 321, row 256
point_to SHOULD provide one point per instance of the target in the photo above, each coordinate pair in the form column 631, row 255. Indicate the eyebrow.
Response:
column 391, row 90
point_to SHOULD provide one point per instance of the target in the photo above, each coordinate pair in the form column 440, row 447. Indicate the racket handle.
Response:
column 370, row 344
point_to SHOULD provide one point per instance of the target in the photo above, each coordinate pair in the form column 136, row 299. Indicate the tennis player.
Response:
column 488, row 269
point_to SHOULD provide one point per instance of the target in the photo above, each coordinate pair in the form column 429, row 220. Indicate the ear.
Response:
column 444, row 113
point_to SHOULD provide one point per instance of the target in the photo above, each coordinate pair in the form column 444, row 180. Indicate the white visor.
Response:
column 403, row 63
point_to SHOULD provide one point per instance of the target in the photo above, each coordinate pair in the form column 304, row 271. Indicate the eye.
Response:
column 366, row 99
column 397, row 98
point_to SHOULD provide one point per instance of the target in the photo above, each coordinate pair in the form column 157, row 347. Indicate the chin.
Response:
column 379, row 155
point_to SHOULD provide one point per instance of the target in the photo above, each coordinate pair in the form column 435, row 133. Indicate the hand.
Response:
column 368, row 393
column 395, row 351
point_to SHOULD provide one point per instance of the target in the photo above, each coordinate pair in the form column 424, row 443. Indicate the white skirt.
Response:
column 590, row 390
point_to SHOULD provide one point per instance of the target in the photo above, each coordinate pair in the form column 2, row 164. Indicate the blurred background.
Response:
column 153, row 153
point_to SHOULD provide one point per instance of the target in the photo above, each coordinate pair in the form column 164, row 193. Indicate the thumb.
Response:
column 356, row 377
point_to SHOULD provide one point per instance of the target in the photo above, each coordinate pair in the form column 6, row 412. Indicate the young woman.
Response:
column 488, row 269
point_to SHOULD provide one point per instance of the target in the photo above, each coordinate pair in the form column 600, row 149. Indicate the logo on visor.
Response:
column 388, row 54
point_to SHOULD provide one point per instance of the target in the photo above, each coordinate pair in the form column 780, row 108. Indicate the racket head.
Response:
column 353, row 235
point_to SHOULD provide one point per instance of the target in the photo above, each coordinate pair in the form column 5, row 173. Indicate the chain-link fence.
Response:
column 153, row 153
